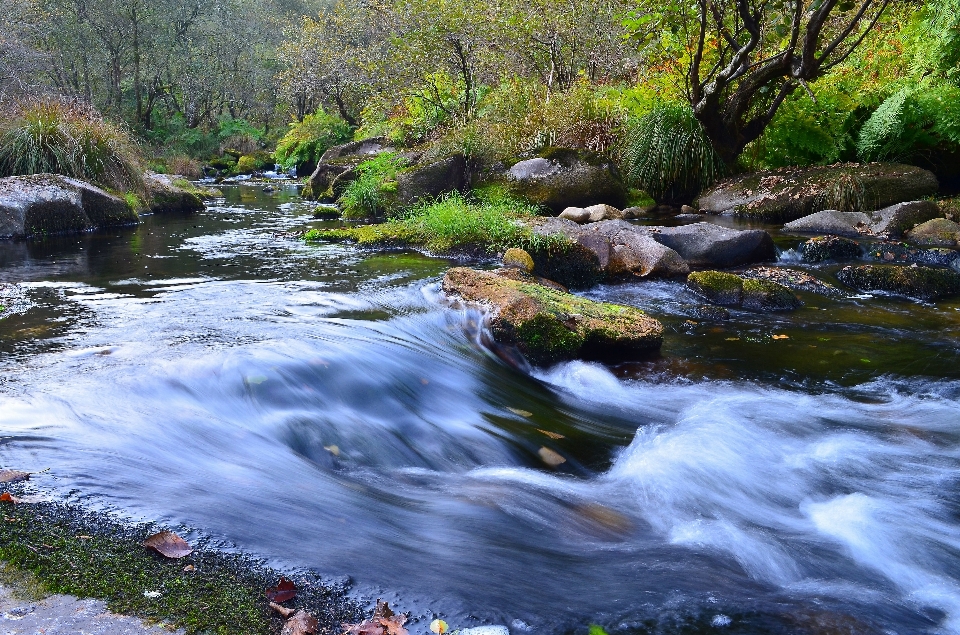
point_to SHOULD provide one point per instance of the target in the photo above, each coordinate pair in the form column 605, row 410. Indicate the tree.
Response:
column 744, row 57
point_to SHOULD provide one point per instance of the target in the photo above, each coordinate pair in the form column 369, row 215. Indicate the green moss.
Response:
column 923, row 283
column 728, row 289
column 716, row 282
column 49, row 551
column 764, row 295
column 639, row 198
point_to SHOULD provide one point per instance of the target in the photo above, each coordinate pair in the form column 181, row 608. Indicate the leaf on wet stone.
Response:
column 439, row 627
column 363, row 628
column 282, row 610
column 392, row 622
column 7, row 497
column 168, row 544
column 13, row 476
column 552, row 435
column 522, row 413
column 285, row 591
column 550, row 457
column 781, row 337
column 302, row 623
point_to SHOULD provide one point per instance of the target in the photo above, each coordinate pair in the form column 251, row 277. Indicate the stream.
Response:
column 321, row 406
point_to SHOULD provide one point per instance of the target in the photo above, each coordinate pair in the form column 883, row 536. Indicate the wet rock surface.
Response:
column 549, row 326
column 562, row 178
column 938, row 232
column 921, row 283
column 42, row 204
column 830, row 248
column 833, row 222
column 754, row 294
column 165, row 195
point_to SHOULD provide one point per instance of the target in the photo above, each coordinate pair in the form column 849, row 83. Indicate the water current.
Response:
column 322, row 407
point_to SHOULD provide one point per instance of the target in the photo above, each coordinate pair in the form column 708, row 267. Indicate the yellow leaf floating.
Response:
column 551, row 458
column 781, row 337
column 522, row 413
column 552, row 435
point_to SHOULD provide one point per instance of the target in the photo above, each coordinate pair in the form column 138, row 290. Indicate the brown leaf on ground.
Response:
column 302, row 623
column 284, row 591
column 13, row 476
column 392, row 622
column 363, row 628
column 168, row 544
column 282, row 610
column 7, row 497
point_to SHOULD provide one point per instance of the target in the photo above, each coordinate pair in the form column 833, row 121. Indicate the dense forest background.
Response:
column 239, row 84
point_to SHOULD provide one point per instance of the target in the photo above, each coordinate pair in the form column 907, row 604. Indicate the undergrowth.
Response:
column 368, row 194
column 489, row 220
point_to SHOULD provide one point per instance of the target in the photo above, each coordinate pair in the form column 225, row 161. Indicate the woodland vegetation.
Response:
column 676, row 93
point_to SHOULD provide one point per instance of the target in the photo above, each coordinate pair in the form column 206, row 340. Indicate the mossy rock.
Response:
column 548, row 325
column 830, row 248
column 921, row 283
column 938, row 232
column 727, row 289
column 518, row 259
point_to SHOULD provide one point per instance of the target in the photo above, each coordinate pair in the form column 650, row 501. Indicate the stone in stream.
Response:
column 518, row 259
column 549, row 326
column 637, row 253
column 938, row 232
column 709, row 245
column 592, row 214
column 902, row 253
column 790, row 193
column 833, row 222
column 830, row 248
column 921, row 283
column 792, row 279
column 339, row 159
column 42, row 204
column 167, row 194
column 727, row 289
column 894, row 220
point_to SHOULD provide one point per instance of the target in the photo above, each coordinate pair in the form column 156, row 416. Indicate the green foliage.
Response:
column 251, row 162
column 488, row 220
column 667, row 154
column 914, row 122
column 307, row 140
column 596, row 629
column 68, row 138
column 368, row 194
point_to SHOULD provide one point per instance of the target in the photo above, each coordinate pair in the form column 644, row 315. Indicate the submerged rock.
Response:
column 42, row 204
column 727, row 289
column 548, row 325
column 792, row 279
column 830, row 248
column 938, row 232
column 709, row 245
column 922, row 283
column 902, row 253
column 791, row 193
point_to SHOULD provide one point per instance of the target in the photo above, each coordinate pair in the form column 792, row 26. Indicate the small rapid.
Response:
column 321, row 407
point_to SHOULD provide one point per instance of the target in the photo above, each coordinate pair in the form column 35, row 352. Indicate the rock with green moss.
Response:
column 338, row 159
column 46, row 204
column 518, row 259
column 791, row 193
column 727, row 289
column 167, row 193
column 938, row 232
column 921, row 283
column 830, row 248
column 550, row 326
column 431, row 180
column 559, row 178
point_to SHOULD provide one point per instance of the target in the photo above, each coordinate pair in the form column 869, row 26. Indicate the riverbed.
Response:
column 324, row 407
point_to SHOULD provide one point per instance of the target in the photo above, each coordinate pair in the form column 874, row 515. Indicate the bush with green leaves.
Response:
column 368, row 194
column 917, row 123
column 307, row 140
column 69, row 138
column 667, row 154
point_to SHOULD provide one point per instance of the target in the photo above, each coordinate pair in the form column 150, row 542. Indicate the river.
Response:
column 323, row 407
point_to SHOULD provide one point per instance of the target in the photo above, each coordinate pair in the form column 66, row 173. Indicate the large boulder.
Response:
column 636, row 253
column 938, row 232
column 548, row 325
column 727, row 289
column 831, row 221
column 823, row 248
column 709, row 245
column 171, row 194
column 338, row 159
column 922, row 283
column 791, row 193
column 894, row 220
column 428, row 181
column 42, row 204
column 561, row 178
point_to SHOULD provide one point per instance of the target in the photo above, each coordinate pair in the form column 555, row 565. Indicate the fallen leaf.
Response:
column 189, row 568
column 552, row 435
column 392, row 622
column 332, row 449
column 284, row 591
column 439, row 627
column 551, row 458
column 13, row 476
column 522, row 413
column 7, row 497
column 282, row 610
column 781, row 337
column 363, row 628
column 168, row 544
column 733, row 339
column 302, row 623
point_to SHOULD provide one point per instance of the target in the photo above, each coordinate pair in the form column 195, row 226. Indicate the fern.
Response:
column 668, row 155
column 914, row 122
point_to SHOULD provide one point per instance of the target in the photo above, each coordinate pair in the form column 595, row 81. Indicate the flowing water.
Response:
column 323, row 407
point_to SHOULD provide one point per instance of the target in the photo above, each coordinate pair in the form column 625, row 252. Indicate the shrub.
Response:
column 668, row 155
column 251, row 162
column 368, row 194
column 184, row 166
column 914, row 123
column 69, row 138
column 307, row 140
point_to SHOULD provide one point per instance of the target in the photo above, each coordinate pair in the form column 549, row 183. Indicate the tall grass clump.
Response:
column 307, row 140
column 368, row 194
column 667, row 154
column 69, row 138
